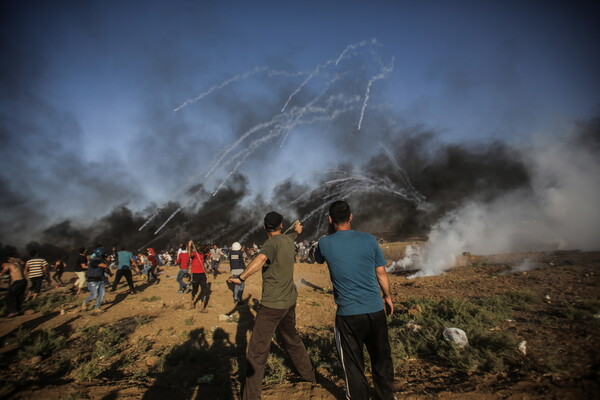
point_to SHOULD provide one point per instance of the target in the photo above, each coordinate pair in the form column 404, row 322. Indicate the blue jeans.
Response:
column 180, row 274
column 96, row 292
column 238, row 291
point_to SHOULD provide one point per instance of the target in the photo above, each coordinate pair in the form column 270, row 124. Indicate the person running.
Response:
column 183, row 260
column 153, row 261
column 36, row 269
column 198, row 277
column 78, row 263
column 236, row 262
column 357, row 270
column 95, row 279
column 277, row 310
column 125, row 262
column 215, row 259
column 59, row 269
column 16, row 292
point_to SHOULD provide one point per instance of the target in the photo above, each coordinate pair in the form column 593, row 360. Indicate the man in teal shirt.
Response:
column 124, row 261
column 357, row 270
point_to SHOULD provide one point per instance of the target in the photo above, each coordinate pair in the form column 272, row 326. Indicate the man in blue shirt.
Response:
column 357, row 270
column 124, row 262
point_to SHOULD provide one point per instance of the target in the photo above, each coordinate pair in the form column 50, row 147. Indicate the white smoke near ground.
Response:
column 526, row 265
column 559, row 211
column 412, row 260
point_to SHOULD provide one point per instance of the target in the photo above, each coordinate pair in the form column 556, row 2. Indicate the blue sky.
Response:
column 89, row 88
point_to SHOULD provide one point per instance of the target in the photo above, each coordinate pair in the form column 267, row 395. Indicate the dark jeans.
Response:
column 268, row 320
column 128, row 277
column 352, row 332
column 36, row 283
column 15, row 296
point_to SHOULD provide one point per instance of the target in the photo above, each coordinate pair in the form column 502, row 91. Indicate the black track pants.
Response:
column 352, row 332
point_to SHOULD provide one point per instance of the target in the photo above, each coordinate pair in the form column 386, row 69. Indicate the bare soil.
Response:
column 567, row 281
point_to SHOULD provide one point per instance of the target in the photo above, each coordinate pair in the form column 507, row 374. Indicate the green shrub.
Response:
column 42, row 343
column 276, row 371
column 488, row 350
column 150, row 299
column 49, row 302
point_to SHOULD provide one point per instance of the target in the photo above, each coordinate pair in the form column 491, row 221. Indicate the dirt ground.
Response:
column 565, row 280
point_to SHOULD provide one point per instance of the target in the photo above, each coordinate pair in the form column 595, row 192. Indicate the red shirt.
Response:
column 197, row 263
column 183, row 260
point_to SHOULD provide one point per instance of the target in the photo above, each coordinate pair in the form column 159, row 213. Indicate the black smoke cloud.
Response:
column 446, row 175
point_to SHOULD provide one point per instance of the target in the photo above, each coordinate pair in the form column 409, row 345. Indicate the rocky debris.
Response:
column 522, row 347
column 29, row 312
column 456, row 336
column 413, row 326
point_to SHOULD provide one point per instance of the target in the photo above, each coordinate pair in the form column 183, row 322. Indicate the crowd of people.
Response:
column 94, row 270
column 357, row 271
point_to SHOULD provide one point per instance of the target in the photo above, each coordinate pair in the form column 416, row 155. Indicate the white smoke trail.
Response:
column 282, row 124
column 148, row 221
column 168, row 220
column 324, row 65
column 419, row 198
column 353, row 47
column 253, row 146
column 220, row 86
column 381, row 75
column 235, row 78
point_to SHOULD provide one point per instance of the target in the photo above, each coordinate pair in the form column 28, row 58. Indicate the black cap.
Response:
column 273, row 221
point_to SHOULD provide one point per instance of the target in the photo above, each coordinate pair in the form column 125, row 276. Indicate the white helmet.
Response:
column 236, row 246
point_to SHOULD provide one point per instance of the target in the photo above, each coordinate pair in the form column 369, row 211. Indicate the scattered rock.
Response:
column 456, row 336
column 63, row 312
column 597, row 315
column 29, row 312
column 413, row 326
column 152, row 361
column 223, row 317
column 523, row 347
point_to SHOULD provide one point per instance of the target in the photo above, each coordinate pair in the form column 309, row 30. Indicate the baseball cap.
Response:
column 273, row 220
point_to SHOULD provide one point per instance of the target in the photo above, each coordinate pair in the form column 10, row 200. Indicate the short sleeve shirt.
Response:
column 352, row 258
column 36, row 267
column 279, row 290
column 124, row 258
